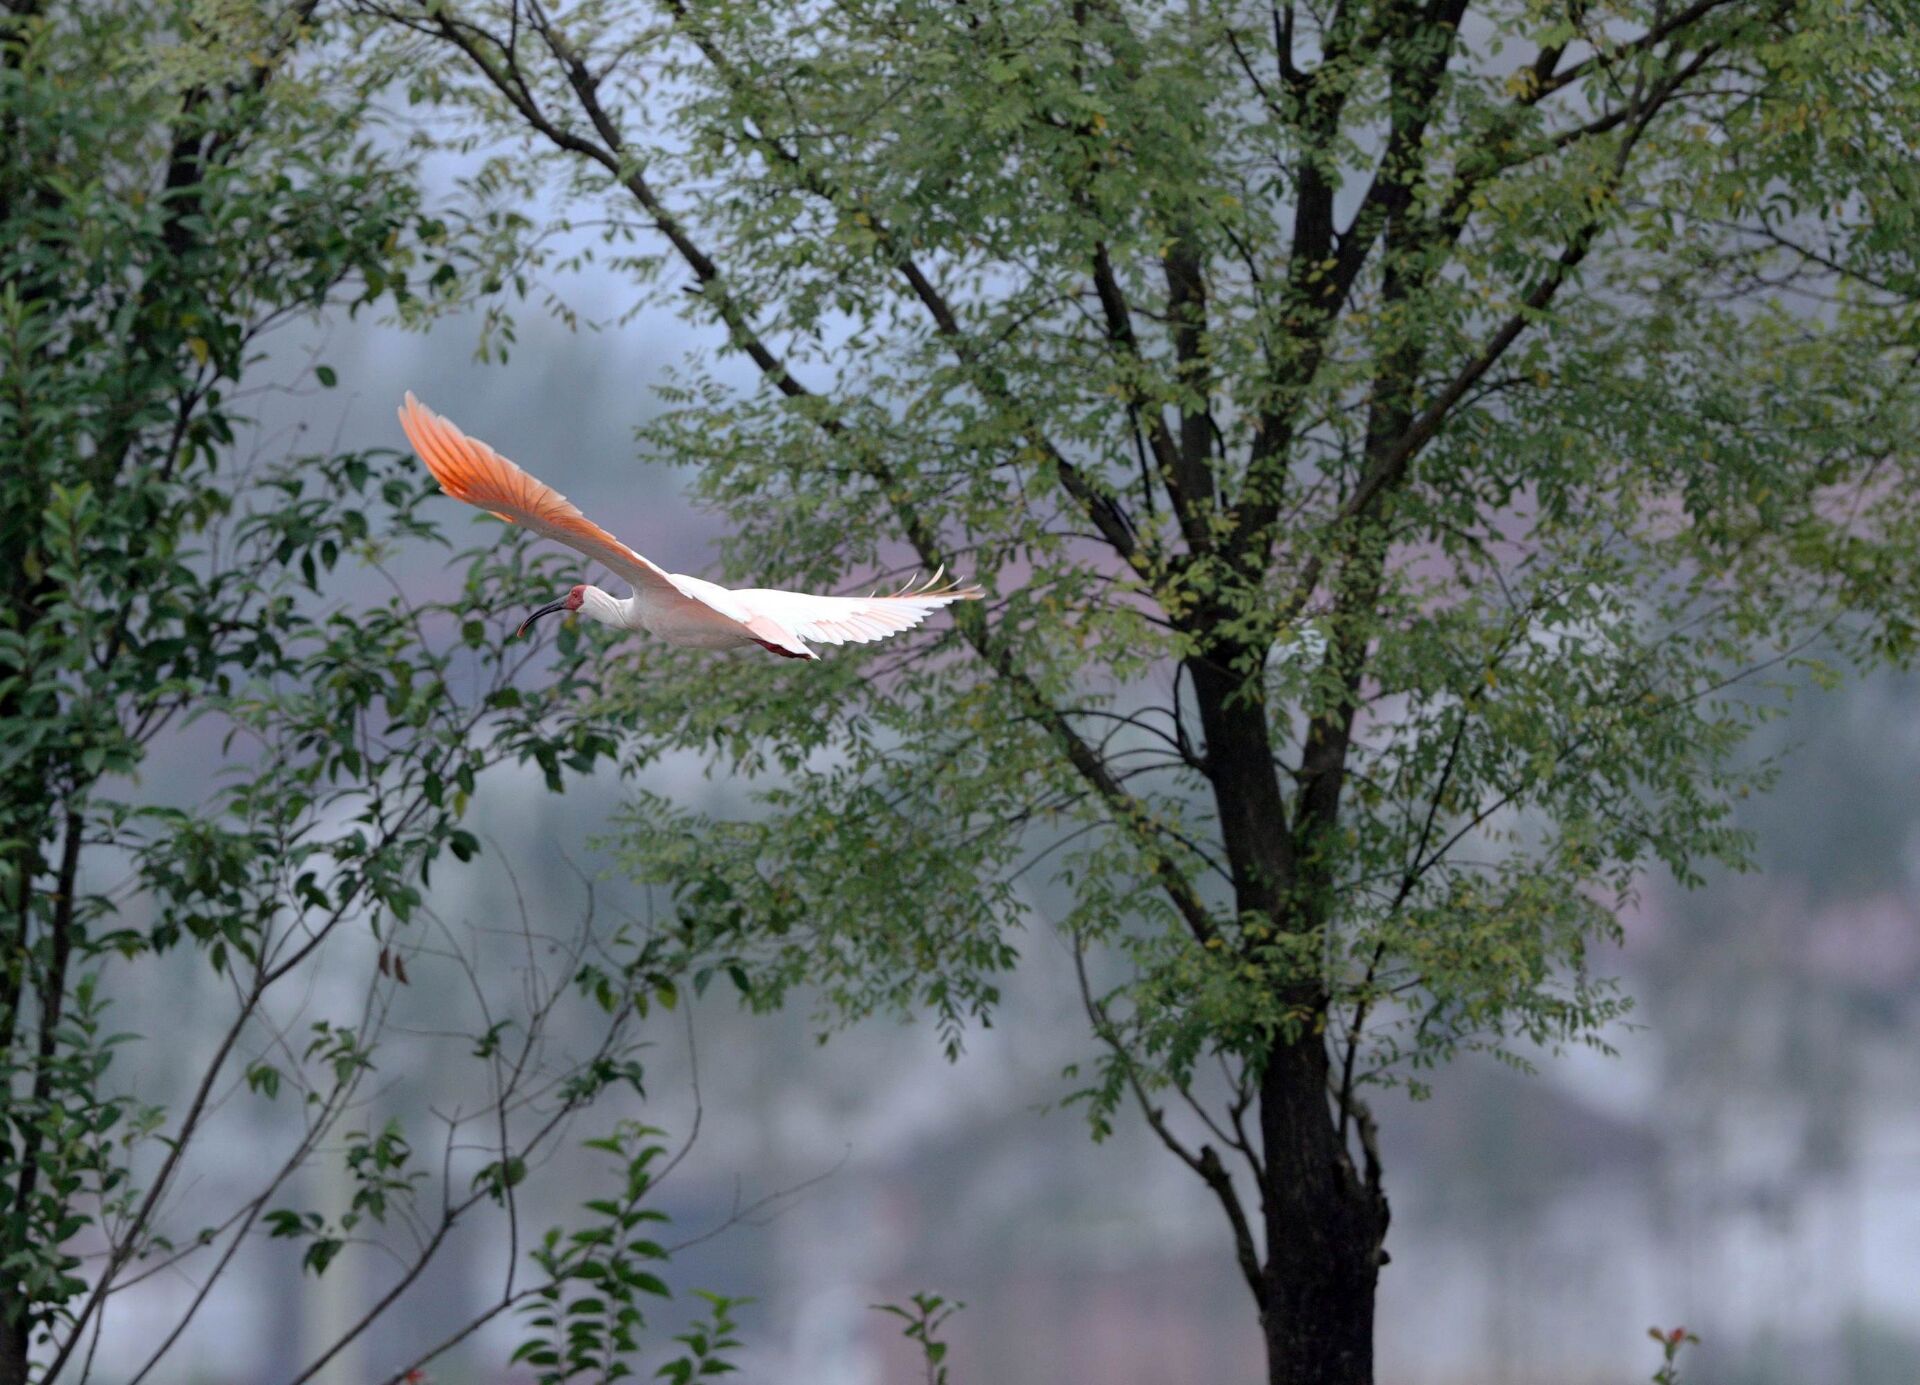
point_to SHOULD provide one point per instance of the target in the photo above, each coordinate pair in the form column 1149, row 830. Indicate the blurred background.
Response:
column 1747, row 1163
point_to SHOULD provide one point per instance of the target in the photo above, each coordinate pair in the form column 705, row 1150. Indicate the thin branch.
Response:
column 1205, row 1161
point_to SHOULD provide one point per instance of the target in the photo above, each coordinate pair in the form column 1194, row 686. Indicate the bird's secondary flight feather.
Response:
column 677, row 608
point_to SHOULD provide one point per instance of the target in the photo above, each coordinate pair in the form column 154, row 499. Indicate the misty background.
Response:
column 1747, row 1164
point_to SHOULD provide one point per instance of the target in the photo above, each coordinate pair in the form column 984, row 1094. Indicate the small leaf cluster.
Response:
column 587, row 1317
column 924, row 1314
column 707, row 1342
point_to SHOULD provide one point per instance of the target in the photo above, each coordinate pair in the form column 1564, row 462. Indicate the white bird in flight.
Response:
column 679, row 609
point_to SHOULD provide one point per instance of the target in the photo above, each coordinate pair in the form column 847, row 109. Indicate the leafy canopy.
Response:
column 1394, row 435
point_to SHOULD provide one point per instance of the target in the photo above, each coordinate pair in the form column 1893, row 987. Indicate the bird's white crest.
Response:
column 677, row 608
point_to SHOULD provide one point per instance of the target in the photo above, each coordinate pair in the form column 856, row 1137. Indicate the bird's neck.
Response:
column 605, row 608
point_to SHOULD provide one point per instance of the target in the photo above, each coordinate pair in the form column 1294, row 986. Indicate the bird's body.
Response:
column 679, row 609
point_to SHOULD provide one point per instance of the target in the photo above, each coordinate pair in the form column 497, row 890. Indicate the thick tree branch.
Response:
column 1323, row 269
column 52, row 992
column 1388, row 467
column 1325, row 290
column 1187, row 306
column 1362, row 558
column 1182, row 486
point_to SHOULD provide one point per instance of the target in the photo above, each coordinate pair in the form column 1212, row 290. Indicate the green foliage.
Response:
column 924, row 1314
column 587, row 1318
column 181, row 179
column 706, row 1342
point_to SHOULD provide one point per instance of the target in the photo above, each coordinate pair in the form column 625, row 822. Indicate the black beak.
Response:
column 543, row 611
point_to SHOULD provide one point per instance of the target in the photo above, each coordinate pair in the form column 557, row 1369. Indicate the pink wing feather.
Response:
column 856, row 619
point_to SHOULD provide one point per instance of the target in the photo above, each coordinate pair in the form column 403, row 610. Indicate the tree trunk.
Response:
column 1325, row 1230
column 13, row 1346
column 1325, row 1225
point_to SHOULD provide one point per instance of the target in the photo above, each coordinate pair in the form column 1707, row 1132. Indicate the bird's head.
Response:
column 572, row 601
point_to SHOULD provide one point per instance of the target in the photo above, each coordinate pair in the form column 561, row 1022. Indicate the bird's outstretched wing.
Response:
column 855, row 619
column 467, row 469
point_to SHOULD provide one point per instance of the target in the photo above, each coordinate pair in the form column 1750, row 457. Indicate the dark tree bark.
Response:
column 1325, row 1230
column 1324, row 1225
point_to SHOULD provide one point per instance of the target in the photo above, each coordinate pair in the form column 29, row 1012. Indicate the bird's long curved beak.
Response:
column 543, row 611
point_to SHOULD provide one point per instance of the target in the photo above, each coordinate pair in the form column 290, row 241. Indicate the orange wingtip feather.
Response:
column 450, row 455
column 469, row 470
column 450, row 468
